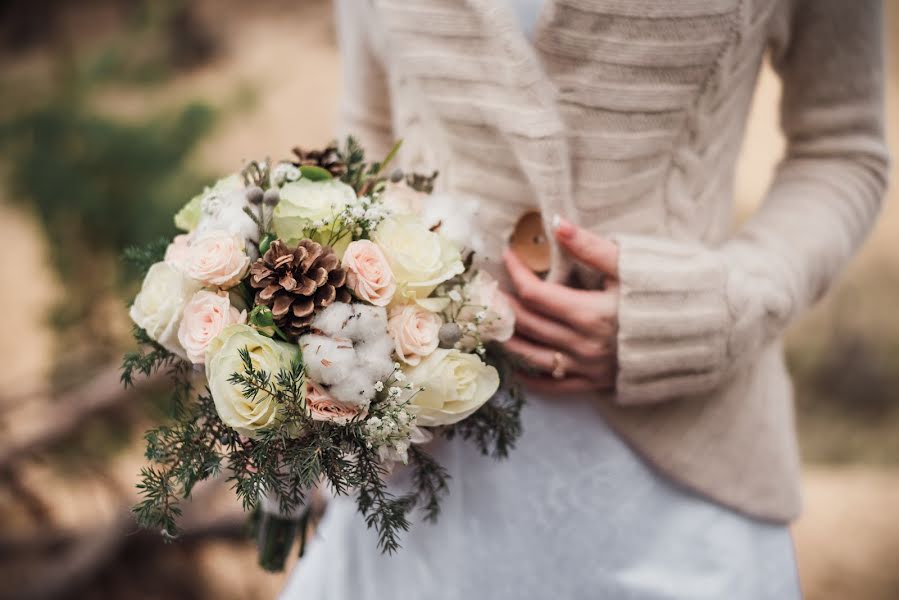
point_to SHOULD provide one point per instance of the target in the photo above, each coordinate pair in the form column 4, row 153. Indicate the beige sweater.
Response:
column 627, row 117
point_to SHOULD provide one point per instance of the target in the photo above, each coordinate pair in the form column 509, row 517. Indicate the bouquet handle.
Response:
column 276, row 531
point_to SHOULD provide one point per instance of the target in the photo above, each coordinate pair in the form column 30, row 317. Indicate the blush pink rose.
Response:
column 217, row 258
column 323, row 407
column 415, row 332
column 369, row 274
column 205, row 315
column 176, row 253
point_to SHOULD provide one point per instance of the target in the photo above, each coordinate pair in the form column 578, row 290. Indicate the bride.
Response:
column 659, row 456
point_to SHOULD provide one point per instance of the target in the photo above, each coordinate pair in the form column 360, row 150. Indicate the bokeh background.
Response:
column 113, row 112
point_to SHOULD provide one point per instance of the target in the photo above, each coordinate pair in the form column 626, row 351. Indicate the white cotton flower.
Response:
column 223, row 210
column 458, row 220
column 352, row 355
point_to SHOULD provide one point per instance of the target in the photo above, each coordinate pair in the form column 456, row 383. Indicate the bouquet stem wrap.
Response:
column 277, row 530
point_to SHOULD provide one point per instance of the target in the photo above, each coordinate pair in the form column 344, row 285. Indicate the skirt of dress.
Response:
column 572, row 513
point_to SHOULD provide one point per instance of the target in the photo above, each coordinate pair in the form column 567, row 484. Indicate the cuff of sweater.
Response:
column 674, row 322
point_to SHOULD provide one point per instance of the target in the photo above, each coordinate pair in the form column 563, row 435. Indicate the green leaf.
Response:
column 313, row 173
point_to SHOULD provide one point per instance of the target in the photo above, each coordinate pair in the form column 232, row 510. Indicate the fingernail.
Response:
column 555, row 222
column 563, row 228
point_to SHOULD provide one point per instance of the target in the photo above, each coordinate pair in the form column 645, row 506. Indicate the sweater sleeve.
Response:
column 364, row 109
column 691, row 316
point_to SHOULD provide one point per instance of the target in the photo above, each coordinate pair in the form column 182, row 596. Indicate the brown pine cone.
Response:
column 296, row 282
column 328, row 159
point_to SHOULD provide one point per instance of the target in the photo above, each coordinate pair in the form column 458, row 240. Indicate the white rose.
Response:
column 305, row 202
column 488, row 309
column 420, row 259
column 217, row 258
column 246, row 416
column 205, row 316
column 159, row 306
column 414, row 331
column 455, row 385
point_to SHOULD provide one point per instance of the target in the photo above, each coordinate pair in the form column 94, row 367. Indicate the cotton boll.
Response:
column 333, row 319
column 375, row 354
column 355, row 389
column 328, row 360
column 224, row 211
column 457, row 219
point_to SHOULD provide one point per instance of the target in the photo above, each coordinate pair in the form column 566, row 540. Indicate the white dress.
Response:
column 572, row 513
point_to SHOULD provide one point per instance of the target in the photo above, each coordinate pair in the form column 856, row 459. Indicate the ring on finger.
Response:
column 558, row 366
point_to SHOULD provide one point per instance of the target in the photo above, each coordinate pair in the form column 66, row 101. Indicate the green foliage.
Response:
column 147, row 359
column 286, row 461
column 140, row 258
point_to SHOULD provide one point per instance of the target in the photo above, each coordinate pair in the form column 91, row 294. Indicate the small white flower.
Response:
column 455, row 296
column 471, row 327
column 481, row 350
column 357, row 212
column 285, row 172
column 396, row 366
column 399, row 376
column 480, row 316
column 394, row 392
column 379, row 386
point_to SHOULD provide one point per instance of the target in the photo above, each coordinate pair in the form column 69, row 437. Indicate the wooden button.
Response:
column 529, row 242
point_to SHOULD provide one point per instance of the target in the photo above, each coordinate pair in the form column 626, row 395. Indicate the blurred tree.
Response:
column 98, row 183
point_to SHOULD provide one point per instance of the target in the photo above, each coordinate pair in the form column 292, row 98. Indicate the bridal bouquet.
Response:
column 320, row 322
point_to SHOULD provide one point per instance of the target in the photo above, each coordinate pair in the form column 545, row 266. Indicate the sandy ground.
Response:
column 848, row 538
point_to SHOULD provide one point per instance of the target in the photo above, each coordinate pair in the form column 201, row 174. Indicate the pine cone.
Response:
column 296, row 282
column 328, row 159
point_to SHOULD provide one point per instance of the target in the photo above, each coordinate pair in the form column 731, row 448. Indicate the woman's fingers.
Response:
column 578, row 308
column 546, row 360
column 541, row 329
column 588, row 248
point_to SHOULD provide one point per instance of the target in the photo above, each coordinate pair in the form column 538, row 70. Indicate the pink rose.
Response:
column 488, row 309
column 205, row 315
column 217, row 258
column 323, row 407
column 415, row 332
column 176, row 253
column 369, row 274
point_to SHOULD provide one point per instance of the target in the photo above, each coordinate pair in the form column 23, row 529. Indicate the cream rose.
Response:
column 369, row 274
column 205, row 315
column 414, row 331
column 246, row 416
column 488, row 309
column 323, row 407
column 217, row 258
column 306, row 202
column 449, row 386
column 159, row 306
column 420, row 259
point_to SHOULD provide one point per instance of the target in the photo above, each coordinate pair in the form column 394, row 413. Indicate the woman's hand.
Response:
column 566, row 333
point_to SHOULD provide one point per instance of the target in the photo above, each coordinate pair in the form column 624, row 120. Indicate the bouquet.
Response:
column 320, row 322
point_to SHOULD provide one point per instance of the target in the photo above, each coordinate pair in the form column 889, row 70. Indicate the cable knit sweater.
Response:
column 627, row 117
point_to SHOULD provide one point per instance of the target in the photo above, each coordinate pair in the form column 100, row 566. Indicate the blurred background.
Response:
column 113, row 113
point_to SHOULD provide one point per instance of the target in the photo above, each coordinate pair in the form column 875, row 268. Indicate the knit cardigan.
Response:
column 627, row 117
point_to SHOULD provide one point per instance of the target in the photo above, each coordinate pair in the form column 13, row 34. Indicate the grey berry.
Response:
column 397, row 175
column 449, row 334
column 254, row 195
column 272, row 197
